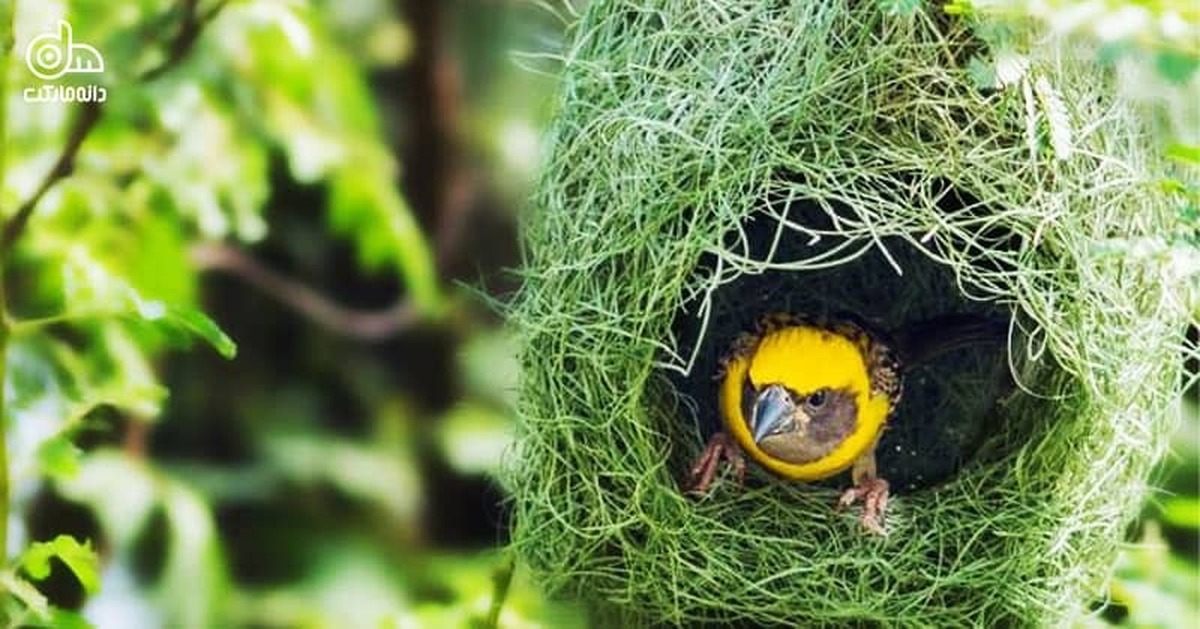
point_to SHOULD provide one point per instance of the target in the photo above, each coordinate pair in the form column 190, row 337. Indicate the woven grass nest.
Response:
column 711, row 161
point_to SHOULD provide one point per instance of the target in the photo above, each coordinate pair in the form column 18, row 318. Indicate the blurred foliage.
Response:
column 307, row 482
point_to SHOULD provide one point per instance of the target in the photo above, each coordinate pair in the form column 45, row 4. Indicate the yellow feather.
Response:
column 805, row 359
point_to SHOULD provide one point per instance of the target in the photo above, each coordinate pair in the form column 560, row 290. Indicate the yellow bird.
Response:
column 807, row 399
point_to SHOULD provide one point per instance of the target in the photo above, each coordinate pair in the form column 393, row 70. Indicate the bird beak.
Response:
column 772, row 412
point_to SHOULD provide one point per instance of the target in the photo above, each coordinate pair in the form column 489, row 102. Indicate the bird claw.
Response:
column 720, row 447
column 874, row 494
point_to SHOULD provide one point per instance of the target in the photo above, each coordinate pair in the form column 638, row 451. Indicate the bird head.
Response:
column 798, row 427
column 802, row 393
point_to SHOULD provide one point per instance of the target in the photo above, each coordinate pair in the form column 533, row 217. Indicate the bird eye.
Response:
column 816, row 399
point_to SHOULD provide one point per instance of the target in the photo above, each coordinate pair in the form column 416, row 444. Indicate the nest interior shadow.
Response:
column 949, row 403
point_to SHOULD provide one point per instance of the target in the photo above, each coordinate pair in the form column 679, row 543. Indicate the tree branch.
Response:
column 185, row 38
column 6, row 44
column 85, row 120
column 436, row 181
column 372, row 325
column 90, row 113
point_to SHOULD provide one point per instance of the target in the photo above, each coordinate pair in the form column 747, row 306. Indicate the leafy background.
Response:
column 319, row 200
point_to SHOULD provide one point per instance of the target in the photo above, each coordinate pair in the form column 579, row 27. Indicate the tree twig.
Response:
column 90, row 113
column 366, row 325
column 185, row 38
column 501, row 582
column 85, row 120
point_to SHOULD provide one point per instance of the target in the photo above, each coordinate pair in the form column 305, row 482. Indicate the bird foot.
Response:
column 720, row 447
column 874, row 494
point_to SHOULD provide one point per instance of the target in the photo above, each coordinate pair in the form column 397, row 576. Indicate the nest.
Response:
column 710, row 161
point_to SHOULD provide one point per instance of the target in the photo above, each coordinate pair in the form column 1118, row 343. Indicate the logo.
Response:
column 50, row 56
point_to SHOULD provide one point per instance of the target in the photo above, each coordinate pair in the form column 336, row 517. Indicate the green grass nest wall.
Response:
column 683, row 122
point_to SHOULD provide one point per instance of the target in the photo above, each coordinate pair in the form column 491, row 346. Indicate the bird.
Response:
column 809, row 397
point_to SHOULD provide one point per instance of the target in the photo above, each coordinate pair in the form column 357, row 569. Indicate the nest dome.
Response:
column 710, row 161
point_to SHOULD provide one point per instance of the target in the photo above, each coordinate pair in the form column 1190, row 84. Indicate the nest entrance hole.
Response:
column 949, row 403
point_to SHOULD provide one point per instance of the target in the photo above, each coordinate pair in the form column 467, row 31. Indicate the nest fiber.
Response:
column 849, row 157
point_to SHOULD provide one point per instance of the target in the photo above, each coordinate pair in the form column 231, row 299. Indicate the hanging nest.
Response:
column 713, row 161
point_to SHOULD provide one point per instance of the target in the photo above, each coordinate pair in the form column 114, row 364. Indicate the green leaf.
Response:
column 386, row 477
column 1109, row 53
column 489, row 366
column 1177, row 67
column 66, row 619
column 92, row 291
column 1182, row 511
column 201, row 325
column 130, row 381
column 958, row 7
column 1185, row 153
column 81, row 559
column 1156, row 587
column 194, row 577
column 1173, row 186
column 58, row 457
column 473, row 438
column 153, row 255
column 365, row 205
